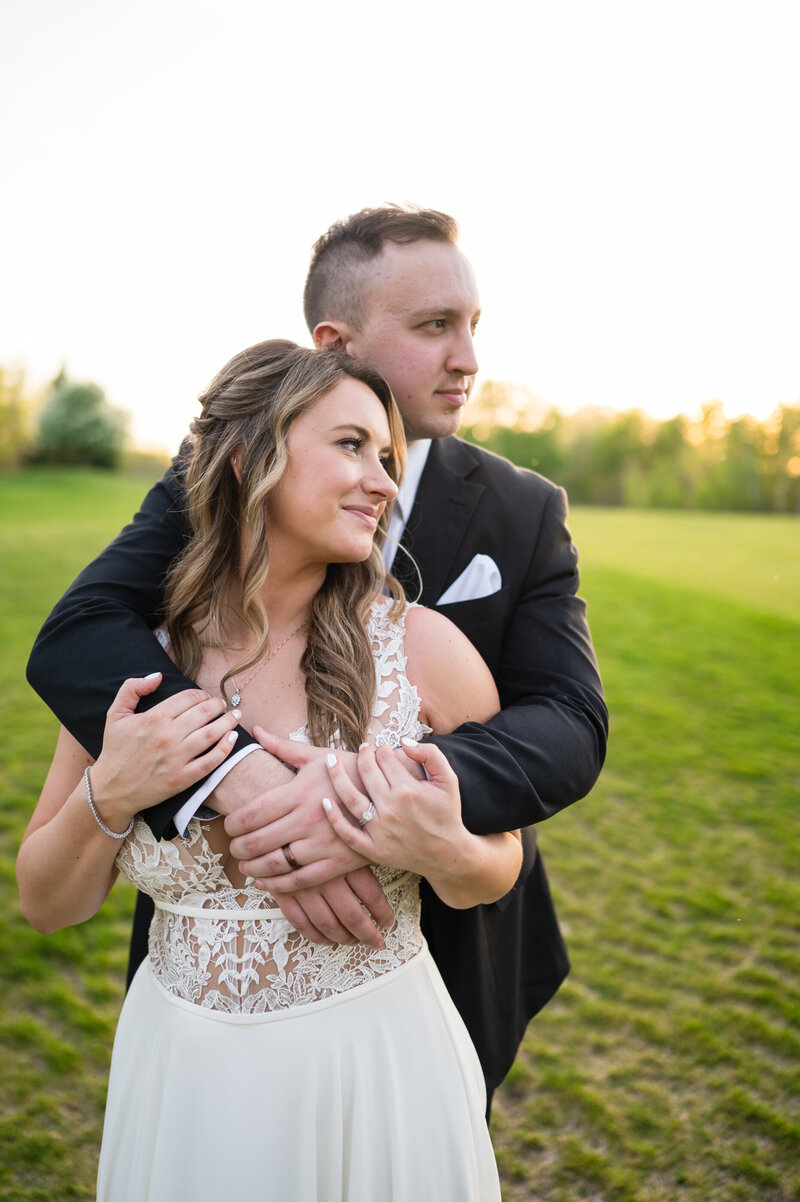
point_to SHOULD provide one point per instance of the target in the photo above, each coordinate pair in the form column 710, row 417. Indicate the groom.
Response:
column 390, row 286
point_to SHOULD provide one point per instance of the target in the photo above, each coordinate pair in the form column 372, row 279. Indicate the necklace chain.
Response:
column 236, row 696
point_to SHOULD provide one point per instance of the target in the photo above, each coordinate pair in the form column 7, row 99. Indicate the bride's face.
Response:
column 326, row 507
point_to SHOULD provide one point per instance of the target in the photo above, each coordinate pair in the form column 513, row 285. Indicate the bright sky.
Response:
column 625, row 174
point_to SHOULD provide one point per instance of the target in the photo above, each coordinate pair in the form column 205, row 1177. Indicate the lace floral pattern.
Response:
column 202, row 951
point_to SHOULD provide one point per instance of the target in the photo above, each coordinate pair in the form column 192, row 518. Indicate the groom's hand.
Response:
column 291, row 815
column 350, row 910
column 332, row 897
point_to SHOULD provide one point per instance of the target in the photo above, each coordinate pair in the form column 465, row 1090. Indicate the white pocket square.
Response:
column 480, row 578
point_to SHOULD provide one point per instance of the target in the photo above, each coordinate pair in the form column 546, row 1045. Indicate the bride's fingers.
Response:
column 355, row 837
column 130, row 693
column 198, row 740
column 207, row 712
column 374, row 775
column 352, row 798
column 432, row 759
column 202, row 765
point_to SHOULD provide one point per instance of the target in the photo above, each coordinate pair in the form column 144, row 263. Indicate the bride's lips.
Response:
column 368, row 516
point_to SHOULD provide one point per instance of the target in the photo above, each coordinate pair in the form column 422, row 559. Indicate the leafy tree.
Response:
column 15, row 417
column 783, row 467
column 77, row 425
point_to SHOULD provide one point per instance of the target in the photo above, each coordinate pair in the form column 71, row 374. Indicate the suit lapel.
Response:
column 440, row 517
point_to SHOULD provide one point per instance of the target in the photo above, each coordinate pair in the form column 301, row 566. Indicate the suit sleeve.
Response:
column 100, row 632
column 546, row 747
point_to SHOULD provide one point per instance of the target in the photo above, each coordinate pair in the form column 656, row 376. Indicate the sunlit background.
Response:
column 625, row 175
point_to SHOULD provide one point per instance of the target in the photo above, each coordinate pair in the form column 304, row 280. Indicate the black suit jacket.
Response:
column 501, row 962
column 504, row 961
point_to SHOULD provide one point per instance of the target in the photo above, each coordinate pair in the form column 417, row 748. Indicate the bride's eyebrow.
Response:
column 354, row 428
column 363, row 434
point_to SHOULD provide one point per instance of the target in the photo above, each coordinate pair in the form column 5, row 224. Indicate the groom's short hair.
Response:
column 336, row 281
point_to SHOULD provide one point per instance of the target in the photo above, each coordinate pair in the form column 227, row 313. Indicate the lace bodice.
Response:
column 230, row 949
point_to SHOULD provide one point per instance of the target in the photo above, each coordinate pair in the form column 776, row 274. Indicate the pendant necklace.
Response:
column 236, row 697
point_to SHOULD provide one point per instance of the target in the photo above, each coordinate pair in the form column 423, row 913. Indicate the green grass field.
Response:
column 667, row 1067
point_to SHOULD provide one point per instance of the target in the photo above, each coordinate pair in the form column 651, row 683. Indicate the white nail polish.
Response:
column 361, row 746
column 233, row 736
column 331, row 761
column 327, row 804
column 152, row 675
column 409, row 742
column 237, row 714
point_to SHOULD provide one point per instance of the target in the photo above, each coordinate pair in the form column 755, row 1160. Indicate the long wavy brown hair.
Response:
column 248, row 410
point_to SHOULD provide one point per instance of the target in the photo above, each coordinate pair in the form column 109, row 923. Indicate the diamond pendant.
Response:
column 235, row 699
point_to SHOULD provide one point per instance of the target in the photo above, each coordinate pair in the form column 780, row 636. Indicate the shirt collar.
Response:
column 416, row 459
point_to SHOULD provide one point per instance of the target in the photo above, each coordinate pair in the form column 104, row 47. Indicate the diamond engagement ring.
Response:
column 368, row 814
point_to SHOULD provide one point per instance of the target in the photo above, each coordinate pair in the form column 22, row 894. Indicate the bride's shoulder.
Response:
column 447, row 670
column 432, row 634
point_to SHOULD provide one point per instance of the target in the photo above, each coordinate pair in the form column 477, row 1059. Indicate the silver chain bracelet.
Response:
column 97, row 817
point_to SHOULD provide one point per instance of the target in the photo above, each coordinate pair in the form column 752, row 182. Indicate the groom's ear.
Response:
column 333, row 335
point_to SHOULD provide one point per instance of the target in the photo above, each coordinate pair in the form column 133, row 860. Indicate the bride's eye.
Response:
column 353, row 444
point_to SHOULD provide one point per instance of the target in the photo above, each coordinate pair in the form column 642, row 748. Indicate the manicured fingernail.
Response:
column 361, row 746
column 409, row 742
column 331, row 761
column 233, row 736
column 152, row 675
column 327, row 804
column 237, row 714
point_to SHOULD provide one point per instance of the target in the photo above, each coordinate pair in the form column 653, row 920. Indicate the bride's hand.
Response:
column 412, row 824
column 151, row 756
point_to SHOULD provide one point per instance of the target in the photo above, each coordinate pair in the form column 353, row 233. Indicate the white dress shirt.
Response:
column 415, row 464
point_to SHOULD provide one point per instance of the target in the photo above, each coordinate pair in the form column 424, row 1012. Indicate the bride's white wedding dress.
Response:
column 252, row 1064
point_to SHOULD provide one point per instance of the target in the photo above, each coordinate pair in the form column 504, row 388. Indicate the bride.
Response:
column 248, row 1061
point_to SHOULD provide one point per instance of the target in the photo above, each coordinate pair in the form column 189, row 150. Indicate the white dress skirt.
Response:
column 252, row 1065
column 375, row 1095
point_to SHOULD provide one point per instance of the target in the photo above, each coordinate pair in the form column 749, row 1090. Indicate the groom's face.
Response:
column 422, row 310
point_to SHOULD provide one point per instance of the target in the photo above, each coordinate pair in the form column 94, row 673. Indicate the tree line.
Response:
column 609, row 458
column 600, row 457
